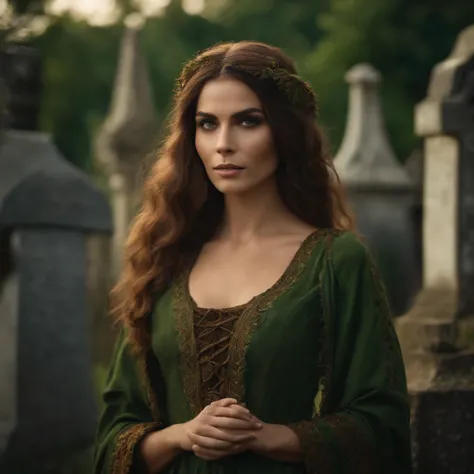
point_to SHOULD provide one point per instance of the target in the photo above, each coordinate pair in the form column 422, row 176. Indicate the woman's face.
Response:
column 233, row 138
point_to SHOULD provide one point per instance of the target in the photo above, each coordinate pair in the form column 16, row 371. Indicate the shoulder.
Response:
column 347, row 246
column 348, row 253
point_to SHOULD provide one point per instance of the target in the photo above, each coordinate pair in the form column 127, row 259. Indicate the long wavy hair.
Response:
column 181, row 209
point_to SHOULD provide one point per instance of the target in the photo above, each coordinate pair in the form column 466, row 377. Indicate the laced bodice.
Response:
column 213, row 329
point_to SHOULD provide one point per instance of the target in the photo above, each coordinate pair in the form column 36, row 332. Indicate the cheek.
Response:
column 262, row 140
column 263, row 149
column 203, row 147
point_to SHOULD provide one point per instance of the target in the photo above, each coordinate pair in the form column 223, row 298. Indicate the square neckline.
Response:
column 306, row 243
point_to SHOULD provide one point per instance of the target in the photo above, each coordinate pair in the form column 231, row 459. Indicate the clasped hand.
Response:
column 221, row 429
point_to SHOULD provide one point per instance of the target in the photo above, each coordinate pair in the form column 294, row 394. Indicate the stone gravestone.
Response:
column 414, row 169
column 8, row 343
column 437, row 334
column 380, row 191
column 128, row 134
column 49, row 211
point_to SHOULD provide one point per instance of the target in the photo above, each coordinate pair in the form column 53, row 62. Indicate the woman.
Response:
column 256, row 335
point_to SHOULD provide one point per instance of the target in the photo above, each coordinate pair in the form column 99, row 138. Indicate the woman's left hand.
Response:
column 208, row 454
column 278, row 442
column 274, row 441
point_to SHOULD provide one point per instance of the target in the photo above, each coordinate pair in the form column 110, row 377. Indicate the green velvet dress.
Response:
column 316, row 352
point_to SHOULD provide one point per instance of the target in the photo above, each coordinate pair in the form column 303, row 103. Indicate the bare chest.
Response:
column 223, row 279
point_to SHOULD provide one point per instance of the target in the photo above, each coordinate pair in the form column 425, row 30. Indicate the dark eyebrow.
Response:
column 236, row 115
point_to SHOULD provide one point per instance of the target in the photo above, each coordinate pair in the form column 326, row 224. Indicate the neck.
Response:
column 254, row 214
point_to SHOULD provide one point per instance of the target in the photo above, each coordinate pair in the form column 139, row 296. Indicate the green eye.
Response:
column 206, row 125
column 251, row 122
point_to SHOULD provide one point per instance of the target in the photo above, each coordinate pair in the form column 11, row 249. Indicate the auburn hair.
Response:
column 181, row 209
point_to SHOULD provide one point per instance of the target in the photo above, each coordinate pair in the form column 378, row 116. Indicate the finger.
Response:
column 224, row 402
column 213, row 454
column 208, row 454
column 209, row 443
column 231, row 436
column 234, row 423
column 234, row 411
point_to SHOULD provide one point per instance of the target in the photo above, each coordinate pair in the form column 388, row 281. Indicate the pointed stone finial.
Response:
column 128, row 134
column 129, row 130
column 366, row 159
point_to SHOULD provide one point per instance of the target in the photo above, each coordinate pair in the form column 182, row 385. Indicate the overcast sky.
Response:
column 101, row 12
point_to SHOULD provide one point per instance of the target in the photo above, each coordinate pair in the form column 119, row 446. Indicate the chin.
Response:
column 233, row 187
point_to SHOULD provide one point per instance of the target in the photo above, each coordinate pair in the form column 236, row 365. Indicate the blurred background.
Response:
column 79, row 43
column 85, row 90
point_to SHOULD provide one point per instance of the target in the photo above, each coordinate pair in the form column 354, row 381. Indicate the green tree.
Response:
column 289, row 24
column 403, row 39
column 79, row 62
column 17, row 15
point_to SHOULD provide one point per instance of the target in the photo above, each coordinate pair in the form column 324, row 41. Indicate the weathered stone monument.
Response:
column 414, row 169
column 380, row 191
column 49, row 211
column 128, row 134
column 437, row 334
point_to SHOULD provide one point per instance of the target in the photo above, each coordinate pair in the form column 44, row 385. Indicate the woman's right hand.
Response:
column 220, row 427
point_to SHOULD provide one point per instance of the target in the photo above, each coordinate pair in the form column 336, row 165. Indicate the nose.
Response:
column 224, row 141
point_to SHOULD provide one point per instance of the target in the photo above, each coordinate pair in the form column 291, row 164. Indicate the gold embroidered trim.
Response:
column 146, row 382
column 317, row 456
column 354, row 443
column 127, row 440
column 189, row 366
column 324, row 369
column 352, row 440
column 250, row 317
column 324, row 363
column 384, row 311
column 314, row 447
column 183, row 308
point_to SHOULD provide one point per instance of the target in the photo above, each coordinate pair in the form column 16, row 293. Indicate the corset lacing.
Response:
column 213, row 329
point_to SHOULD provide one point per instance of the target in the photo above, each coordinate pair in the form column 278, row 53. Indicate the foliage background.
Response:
column 401, row 38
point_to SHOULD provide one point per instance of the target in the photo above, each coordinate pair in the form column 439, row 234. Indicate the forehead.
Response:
column 226, row 96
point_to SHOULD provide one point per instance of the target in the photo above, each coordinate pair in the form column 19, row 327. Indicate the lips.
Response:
column 228, row 166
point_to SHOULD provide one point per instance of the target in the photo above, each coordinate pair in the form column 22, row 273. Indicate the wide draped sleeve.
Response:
column 362, row 424
column 130, row 410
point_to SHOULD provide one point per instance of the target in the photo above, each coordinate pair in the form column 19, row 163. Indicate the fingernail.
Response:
column 259, row 425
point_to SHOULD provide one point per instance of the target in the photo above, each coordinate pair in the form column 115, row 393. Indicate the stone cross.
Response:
column 380, row 190
column 437, row 334
column 128, row 134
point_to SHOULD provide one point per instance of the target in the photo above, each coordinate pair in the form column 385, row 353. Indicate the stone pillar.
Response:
column 128, row 134
column 8, row 343
column 50, row 214
column 437, row 334
column 20, row 91
column 379, row 189
column 414, row 168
